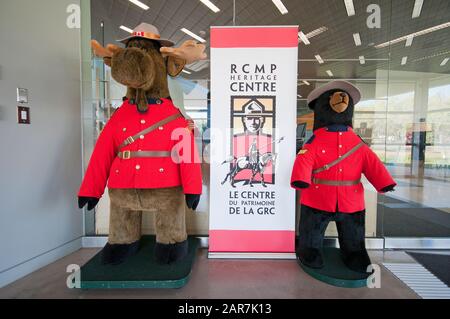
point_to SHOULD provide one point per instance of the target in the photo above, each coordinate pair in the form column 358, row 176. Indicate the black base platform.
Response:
column 335, row 272
column 140, row 270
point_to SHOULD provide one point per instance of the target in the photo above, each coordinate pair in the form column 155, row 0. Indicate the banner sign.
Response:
column 253, row 139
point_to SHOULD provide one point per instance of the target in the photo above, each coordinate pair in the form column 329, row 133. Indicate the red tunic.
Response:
column 147, row 172
column 327, row 146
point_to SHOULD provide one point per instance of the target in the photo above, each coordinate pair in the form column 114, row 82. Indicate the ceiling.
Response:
column 336, row 45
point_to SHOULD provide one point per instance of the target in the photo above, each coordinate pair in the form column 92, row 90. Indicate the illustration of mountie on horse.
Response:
column 254, row 161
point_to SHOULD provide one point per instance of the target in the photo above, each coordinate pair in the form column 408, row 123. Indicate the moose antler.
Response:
column 190, row 51
column 105, row 53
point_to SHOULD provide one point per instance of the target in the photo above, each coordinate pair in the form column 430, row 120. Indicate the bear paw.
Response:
column 357, row 261
column 310, row 257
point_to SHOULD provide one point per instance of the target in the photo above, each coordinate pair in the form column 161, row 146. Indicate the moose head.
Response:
column 143, row 65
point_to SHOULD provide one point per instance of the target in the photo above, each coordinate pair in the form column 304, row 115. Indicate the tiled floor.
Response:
column 424, row 192
column 212, row 278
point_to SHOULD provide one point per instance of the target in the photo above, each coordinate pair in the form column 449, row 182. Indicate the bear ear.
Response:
column 312, row 104
column 350, row 101
column 175, row 66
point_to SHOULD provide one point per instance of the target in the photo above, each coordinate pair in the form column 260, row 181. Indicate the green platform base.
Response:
column 335, row 272
column 140, row 270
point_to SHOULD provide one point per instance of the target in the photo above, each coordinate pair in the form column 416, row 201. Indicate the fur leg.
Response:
column 124, row 231
column 312, row 228
column 351, row 230
column 170, row 222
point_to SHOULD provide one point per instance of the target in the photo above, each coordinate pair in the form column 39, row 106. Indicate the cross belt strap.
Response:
column 335, row 183
column 149, row 129
column 126, row 155
column 337, row 161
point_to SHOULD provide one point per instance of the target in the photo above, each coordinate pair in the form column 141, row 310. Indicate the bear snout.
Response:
column 339, row 101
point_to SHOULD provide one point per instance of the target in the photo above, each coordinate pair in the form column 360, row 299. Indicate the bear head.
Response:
column 333, row 107
column 334, row 103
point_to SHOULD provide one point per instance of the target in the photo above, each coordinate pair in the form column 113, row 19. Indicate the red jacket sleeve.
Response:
column 104, row 153
column 189, row 161
column 303, row 166
column 375, row 171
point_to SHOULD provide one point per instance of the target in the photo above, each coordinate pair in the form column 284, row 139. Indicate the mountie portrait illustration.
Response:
column 253, row 147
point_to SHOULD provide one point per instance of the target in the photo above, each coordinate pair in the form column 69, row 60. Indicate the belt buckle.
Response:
column 126, row 155
column 130, row 139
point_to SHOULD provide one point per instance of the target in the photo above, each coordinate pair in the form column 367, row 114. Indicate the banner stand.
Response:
column 253, row 141
column 238, row 255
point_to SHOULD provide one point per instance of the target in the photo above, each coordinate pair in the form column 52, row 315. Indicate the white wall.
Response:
column 40, row 164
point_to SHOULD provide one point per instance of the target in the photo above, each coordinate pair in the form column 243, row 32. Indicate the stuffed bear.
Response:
column 328, row 170
column 146, row 152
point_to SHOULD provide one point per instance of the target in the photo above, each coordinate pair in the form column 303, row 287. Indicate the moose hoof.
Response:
column 115, row 254
column 162, row 253
column 179, row 251
column 170, row 253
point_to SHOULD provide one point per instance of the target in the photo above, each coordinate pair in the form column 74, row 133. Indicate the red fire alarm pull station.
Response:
column 23, row 115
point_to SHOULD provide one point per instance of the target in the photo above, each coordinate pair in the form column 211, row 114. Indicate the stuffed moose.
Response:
column 138, row 153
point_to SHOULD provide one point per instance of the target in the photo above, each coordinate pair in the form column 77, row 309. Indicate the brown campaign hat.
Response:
column 253, row 109
column 352, row 90
column 147, row 31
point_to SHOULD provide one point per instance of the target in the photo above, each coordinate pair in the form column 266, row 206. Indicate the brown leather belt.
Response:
column 126, row 155
column 335, row 183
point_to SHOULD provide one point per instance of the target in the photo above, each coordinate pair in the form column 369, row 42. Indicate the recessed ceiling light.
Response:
column 306, row 82
column 315, row 32
column 329, row 73
column 126, row 29
column 303, row 38
column 187, row 72
column 409, row 41
column 349, row 7
column 280, row 5
column 432, row 56
column 210, row 5
column 404, row 59
column 319, row 59
column 362, row 60
column 415, row 34
column 357, row 39
column 417, row 8
column 140, row 4
column 444, row 62
column 192, row 34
